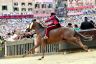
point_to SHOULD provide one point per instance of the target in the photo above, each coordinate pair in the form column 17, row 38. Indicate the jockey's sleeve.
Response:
column 48, row 20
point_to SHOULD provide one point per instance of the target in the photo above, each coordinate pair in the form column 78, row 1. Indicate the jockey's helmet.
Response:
column 53, row 14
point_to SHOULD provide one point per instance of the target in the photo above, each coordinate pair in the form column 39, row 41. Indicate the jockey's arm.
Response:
column 49, row 19
column 51, row 24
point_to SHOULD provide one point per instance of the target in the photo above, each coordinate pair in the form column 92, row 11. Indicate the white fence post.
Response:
column 5, row 49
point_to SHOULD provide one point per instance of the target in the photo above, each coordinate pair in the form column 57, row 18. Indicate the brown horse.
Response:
column 56, row 35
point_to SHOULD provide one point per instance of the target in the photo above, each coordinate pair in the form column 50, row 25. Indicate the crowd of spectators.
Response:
column 77, row 19
column 7, row 26
column 79, row 22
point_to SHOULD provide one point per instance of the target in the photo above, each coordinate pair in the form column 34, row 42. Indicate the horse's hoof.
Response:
column 89, row 50
column 64, row 53
column 85, row 48
column 23, row 56
column 41, row 58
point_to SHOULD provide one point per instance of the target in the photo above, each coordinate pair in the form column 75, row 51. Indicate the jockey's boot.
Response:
column 45, row 37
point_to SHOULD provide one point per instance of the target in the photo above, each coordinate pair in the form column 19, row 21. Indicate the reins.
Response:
column 43, row 24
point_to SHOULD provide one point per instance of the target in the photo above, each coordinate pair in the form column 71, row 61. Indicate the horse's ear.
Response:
column 31, row 25
column 34, row 20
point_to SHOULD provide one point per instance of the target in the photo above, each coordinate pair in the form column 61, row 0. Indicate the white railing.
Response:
column 21, row 46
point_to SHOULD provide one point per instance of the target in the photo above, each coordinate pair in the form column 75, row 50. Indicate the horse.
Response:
column 64, row 34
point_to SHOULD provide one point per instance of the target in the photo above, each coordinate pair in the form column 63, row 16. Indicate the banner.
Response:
column 76, row 3
column 16, row 16
column 43, row 0
column 77, row 13
column 80, row 7
column 89, row 12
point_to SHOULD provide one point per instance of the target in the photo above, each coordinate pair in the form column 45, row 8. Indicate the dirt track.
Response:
column 72, row 58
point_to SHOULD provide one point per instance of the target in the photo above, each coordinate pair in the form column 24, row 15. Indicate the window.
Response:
column 16, row 4
column 16, row 9
column 50, row 6
column 29, row 4
column 29, row 9
column 43, row 12
column 23, row 4
column 4, row 7
column 43, row 5
column 23, row 9
column 36, row 11
column 37, row 6
column 47, row 11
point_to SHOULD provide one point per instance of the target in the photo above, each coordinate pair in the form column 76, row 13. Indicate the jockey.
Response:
column 54, row 24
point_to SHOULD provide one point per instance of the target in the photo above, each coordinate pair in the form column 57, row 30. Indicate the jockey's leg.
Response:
column 50, row 28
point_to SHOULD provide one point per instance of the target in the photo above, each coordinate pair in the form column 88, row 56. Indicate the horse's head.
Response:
column 35, row 25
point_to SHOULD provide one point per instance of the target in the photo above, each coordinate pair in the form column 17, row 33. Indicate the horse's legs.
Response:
column 31, row 50
column 72, row 43
column 43, row 49
column 77, row 40
column 81, row 44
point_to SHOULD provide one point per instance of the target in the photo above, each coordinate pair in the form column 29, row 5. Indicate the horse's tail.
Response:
column 86, row 38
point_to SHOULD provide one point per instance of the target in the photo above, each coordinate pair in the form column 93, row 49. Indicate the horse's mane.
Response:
column 40, row 28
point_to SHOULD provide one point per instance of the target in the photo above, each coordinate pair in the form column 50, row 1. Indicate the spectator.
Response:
column 93, row 23
column 70, row 25
column 76, row 27
column 86, row 24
